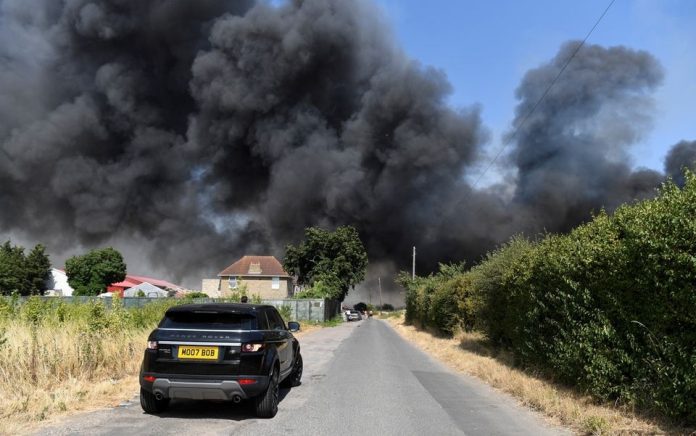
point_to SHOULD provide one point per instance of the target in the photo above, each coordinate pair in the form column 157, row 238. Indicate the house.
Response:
column 132, row 281
column 262, row 275
column 57, row 284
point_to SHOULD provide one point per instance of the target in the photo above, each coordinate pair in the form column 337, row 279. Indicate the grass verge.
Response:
column 468, row 353
column 48, row 373
column 333, row 322
column 390, row 314
column 59, row 360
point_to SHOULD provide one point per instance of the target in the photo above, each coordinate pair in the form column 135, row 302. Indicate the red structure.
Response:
column 131, row 281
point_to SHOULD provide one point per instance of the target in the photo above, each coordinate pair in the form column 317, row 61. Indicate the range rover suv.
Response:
column 220, row 352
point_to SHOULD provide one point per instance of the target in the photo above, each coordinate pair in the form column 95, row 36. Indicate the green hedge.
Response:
column 609, row 307
column 441, row 301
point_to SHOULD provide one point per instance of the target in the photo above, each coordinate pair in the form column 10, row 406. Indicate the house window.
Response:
column 276, row 283
column 233, row 282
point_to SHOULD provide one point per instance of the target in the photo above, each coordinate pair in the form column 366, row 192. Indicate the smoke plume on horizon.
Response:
column 187, row 133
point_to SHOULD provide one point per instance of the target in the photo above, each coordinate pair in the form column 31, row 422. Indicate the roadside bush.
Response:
column 256, row 299
column 34, row 310
column 609, row 307
column 318, row 290
column 492, row 281
column 285, row 312
column 440, row 301
column 443, row 313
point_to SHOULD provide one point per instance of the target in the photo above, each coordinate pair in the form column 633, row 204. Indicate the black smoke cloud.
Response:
column 682, row 155
column 571, row 155
column 190, row 132
column 93, row 127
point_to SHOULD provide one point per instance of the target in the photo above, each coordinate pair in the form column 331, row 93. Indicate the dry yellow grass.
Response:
column 306, row 328
column 44, row 373
column 70, row 370
column 468, row 354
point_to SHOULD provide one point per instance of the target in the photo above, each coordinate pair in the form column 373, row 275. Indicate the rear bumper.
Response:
column 197, row 389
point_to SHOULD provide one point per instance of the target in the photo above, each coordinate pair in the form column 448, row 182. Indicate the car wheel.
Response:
column 296, row 374
column 267, row 403
column 152, row 405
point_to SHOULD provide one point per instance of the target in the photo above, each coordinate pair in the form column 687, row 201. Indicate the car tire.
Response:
column 295, row 377
column 152, row 405
column 267, row 402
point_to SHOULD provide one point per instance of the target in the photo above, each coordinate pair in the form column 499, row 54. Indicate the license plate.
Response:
column 191, row 352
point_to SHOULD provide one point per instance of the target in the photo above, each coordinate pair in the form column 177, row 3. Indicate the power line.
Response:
column 553, row 82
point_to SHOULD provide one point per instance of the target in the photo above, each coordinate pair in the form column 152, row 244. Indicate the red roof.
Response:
column 157, row 282
column 131, row 281
column 255, row 266
column 127, row 283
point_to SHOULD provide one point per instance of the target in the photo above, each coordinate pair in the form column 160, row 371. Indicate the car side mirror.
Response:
column 294, row 326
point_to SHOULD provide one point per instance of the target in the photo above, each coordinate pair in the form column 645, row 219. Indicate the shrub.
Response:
column 442, row 312
column 435, row 301
column 493, row 282
column 609, row 307
column 318, row 290
column 194, row 295
column 256, row 299
column 286, row 312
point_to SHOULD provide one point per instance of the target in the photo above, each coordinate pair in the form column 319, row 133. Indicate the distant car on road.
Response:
column 221, row 352
column 353, row 315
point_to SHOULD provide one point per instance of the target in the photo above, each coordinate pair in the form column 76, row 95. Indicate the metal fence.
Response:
column 318, row 310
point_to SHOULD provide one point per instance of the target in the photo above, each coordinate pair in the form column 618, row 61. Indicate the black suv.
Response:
column 220, row 352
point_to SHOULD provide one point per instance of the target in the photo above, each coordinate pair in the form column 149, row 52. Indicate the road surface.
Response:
column 360, row 378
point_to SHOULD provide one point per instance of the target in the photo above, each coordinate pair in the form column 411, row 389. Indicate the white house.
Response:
column 57, row 284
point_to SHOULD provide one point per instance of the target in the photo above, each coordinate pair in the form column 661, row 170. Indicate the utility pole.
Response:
column 381, row 304
column 413, row 270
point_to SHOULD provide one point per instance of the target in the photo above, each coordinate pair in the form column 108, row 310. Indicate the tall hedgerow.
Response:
column 438, row 301
column 609, row 307
column 492, row 283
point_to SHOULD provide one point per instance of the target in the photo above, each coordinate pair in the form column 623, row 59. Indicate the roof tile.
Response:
column 255, row 266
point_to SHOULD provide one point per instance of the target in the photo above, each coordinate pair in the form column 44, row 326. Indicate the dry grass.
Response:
column 69, row 370
column 306, row 328
column 390, row 314
column 48, row 373
column 468, row 353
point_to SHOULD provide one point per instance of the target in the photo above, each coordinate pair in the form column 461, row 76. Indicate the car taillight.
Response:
column 152, row 345
column 246, row 381
column 149, row 378
column 250, row 348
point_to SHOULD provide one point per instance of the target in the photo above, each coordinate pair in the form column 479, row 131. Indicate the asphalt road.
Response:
column 360, row 378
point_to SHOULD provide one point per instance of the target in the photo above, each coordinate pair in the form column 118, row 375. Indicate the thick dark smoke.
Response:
column 187, row 133
column 93, row 125
column 682, row 155
column 572, row 153
column 308, row 115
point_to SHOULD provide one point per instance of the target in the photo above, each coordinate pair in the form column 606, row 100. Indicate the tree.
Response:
column 20, row 273
column 337, row 259
column 91, row 273
column 12, row 269
column 360, row 307
column 38, row 268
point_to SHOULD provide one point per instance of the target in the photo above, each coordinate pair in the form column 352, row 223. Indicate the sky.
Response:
column 485, row 47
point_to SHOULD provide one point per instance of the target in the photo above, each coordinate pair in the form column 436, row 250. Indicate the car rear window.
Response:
column 209, row 320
